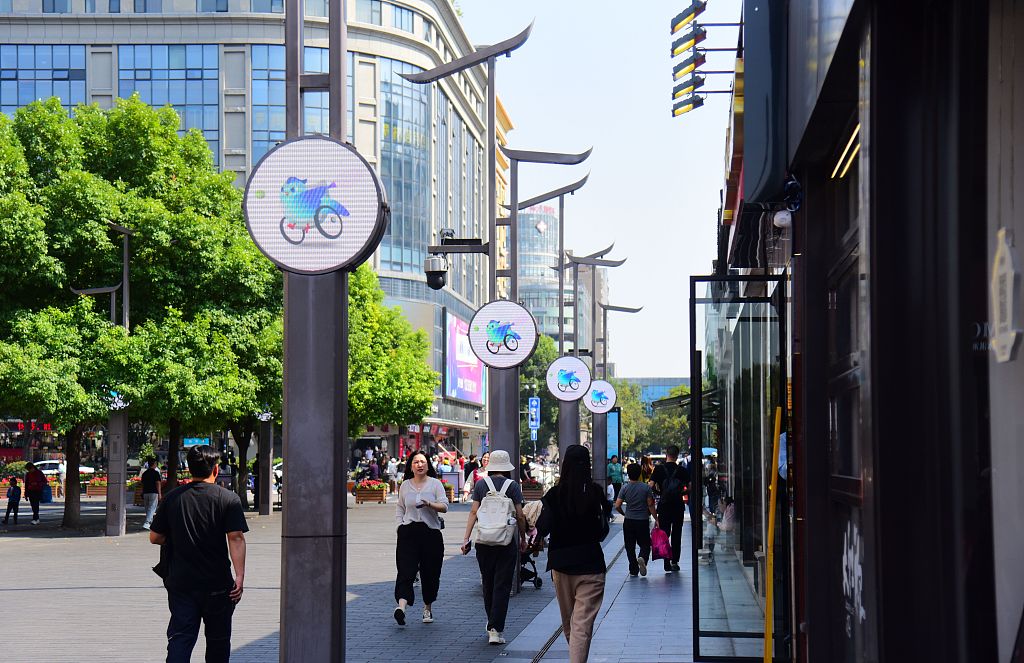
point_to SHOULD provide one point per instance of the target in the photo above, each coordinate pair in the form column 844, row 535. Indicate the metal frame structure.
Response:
column 778, row 298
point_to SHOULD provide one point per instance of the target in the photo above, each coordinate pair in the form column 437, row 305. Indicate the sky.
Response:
column 599, row 73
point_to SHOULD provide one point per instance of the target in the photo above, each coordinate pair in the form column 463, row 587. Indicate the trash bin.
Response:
column 47, row 494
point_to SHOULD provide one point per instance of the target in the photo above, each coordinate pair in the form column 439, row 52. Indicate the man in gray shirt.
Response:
column 639, row 501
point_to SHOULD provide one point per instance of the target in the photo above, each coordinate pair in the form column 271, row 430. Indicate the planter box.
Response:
column 371, row 495
column 95, row 491
column 449, row 492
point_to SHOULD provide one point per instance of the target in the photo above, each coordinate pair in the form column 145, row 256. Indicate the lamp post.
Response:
column 503, row 388
column 117, row 424
column 604, row 330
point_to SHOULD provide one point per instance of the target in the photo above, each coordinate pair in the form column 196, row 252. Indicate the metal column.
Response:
column 265, row 478
column 117, row 445
column 313, row 531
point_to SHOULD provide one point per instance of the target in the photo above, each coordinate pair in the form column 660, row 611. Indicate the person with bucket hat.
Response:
column 496, row 517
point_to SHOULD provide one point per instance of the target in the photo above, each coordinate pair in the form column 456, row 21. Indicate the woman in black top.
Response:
column 576, row 516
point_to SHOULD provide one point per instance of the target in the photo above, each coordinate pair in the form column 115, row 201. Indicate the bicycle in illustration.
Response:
column 499, row 335
column 305, row 209
column 598, row 398
column 567, row 380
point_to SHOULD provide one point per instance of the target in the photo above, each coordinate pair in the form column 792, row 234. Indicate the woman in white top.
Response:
column 420, row 546
column 475, row 476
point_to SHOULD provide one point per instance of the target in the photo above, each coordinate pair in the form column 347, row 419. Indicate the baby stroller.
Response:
column 527, row 561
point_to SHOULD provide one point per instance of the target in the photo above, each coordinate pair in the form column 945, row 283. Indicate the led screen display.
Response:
column 600, row 397
column 568, row 379
column 503, row 334
column 463, row 370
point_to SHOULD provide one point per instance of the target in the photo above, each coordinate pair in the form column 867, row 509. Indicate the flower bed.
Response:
column 532, row 490
column 449, row 491
column 371, row 490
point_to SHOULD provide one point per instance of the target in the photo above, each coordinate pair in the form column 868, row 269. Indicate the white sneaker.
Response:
column 494, row 638
column 35, row 522
column 643, row 566
column 145, row 525
column 428, row 616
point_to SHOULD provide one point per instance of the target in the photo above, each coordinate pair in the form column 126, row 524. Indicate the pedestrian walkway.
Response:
column 642, row 620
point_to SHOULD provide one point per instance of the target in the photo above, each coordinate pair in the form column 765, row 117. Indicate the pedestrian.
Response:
column 374, row 470
column 152, row 491
column 200, row 527
column 421, row 499
column 575, row 514
column 393, row 468
column 13, row 500
column 639, row 501
column 670, row 481
column 62, row 477
column 614, row 475
column 646, row 468
column 478, row 473
column 35, row 483
column 497, row 500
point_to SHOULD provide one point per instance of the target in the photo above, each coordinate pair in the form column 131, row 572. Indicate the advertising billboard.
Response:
column 503, row 334
column 601, row 397
column 614, row 432
column 568, row 379
column 463, row 371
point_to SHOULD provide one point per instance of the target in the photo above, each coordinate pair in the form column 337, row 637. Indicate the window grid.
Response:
column 149, row 6
column 405, row 166
column 206, row 6
column 56, row 6
column 185, row 77
column 368, row 11
column 401, row 18
column 268, row 6
column 268, row 100
column 35, row 72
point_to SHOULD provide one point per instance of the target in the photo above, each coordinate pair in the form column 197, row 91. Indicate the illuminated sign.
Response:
column 463, row 370
column 614, row 426
column 600, row 397
column 313, row 205
column 568, row 379
column 503, row 334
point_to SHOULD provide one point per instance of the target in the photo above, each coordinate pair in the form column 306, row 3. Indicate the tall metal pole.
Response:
column 125, row 251
column 313, row 529
column 265, row 453
column 568, row 412
column 492, row 185
column 598, row 422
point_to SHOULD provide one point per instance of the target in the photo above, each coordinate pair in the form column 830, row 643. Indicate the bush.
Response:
column 15, row 469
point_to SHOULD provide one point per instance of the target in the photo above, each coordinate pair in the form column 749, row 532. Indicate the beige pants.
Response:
column 579, row 599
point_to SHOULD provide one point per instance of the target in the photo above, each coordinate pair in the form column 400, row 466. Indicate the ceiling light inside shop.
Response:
column 846, row 158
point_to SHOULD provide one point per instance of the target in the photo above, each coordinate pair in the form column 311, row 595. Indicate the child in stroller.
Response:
column 527, row 561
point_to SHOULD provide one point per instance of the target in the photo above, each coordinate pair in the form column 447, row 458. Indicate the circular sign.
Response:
column 313, row 205
column 601, row 397
column 503, row 334
column 568, row 378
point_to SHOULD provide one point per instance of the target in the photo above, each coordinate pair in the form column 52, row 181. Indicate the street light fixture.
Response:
column 685, row 17
column 688, row 86
column 689, row 40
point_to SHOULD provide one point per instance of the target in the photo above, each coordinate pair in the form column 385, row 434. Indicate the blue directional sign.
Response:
column 533, row 435
column 534, row 412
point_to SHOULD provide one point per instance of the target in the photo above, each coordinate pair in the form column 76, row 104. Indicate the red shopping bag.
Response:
column 660, row 548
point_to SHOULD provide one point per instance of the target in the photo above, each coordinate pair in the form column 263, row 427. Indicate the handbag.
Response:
column 660, row 547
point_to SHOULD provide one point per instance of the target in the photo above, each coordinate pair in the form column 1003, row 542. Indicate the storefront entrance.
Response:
column 738, row 351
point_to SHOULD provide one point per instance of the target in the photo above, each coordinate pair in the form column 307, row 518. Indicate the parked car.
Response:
column 52, row 468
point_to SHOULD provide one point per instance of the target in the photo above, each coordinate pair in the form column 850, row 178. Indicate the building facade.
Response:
column 220, row 64
column 653, row 389
column 866, row 289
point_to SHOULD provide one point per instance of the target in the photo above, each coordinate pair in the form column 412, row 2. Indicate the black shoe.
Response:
column 668, row 566
column 675, row 566
column 400, row 616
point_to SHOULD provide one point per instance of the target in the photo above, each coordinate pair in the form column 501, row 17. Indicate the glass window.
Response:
column 36, row 72
column 368, row 11
column 428, row 31
column 268, row 6
column 56, row 6
column 211, row 5
column 148, row 6
column 316, row 8
column 401, row 18
column 178, row 79
column 268, row 96
column 5, row 6
column 90, row 6
column 114, row 7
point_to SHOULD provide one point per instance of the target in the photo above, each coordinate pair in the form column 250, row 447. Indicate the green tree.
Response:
column 667, row 426
column 60, row 365
column 390, row 380
column 533, row 378
column 634, row 417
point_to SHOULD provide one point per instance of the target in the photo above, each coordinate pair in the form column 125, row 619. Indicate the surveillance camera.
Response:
column 447, row 233
column 436, row 269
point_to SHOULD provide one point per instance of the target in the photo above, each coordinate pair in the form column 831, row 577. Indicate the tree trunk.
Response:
column 242, row 433
column 72, row 488
column 173, row 444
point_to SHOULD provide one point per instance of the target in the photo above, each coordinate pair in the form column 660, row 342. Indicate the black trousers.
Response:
column 673, row 525
column 12, row 507
column 420, row 549
column 497, row 570
column 34, row 496
column 617, row 487
column 188, row 608
column 636, row 532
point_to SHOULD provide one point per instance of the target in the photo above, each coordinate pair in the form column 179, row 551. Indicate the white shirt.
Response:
column 408, row 495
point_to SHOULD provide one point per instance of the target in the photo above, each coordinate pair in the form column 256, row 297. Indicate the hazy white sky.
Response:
column 599, row 73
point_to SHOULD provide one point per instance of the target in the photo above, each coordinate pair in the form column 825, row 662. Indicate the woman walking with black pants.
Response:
column 420, row 546
column 576, row 515
column 497, row 562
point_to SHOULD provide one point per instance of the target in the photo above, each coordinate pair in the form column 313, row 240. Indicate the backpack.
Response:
column 496, row 517
column 672, row 490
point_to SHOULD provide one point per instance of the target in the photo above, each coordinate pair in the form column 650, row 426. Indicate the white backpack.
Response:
column 496, row 517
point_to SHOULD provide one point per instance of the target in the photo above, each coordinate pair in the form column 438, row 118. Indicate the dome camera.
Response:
column 783, row 218
column 436, row 269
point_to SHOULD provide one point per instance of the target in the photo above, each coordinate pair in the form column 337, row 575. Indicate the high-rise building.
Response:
column 220, row 64
column 538, row 254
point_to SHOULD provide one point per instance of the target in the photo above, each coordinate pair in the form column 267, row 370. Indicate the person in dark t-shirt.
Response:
column 670, row 481
column 200, row 525
column 152, row 491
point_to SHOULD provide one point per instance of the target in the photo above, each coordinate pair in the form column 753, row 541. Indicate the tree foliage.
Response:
column 667, row 426
column 633, row 417
column 533, row 378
